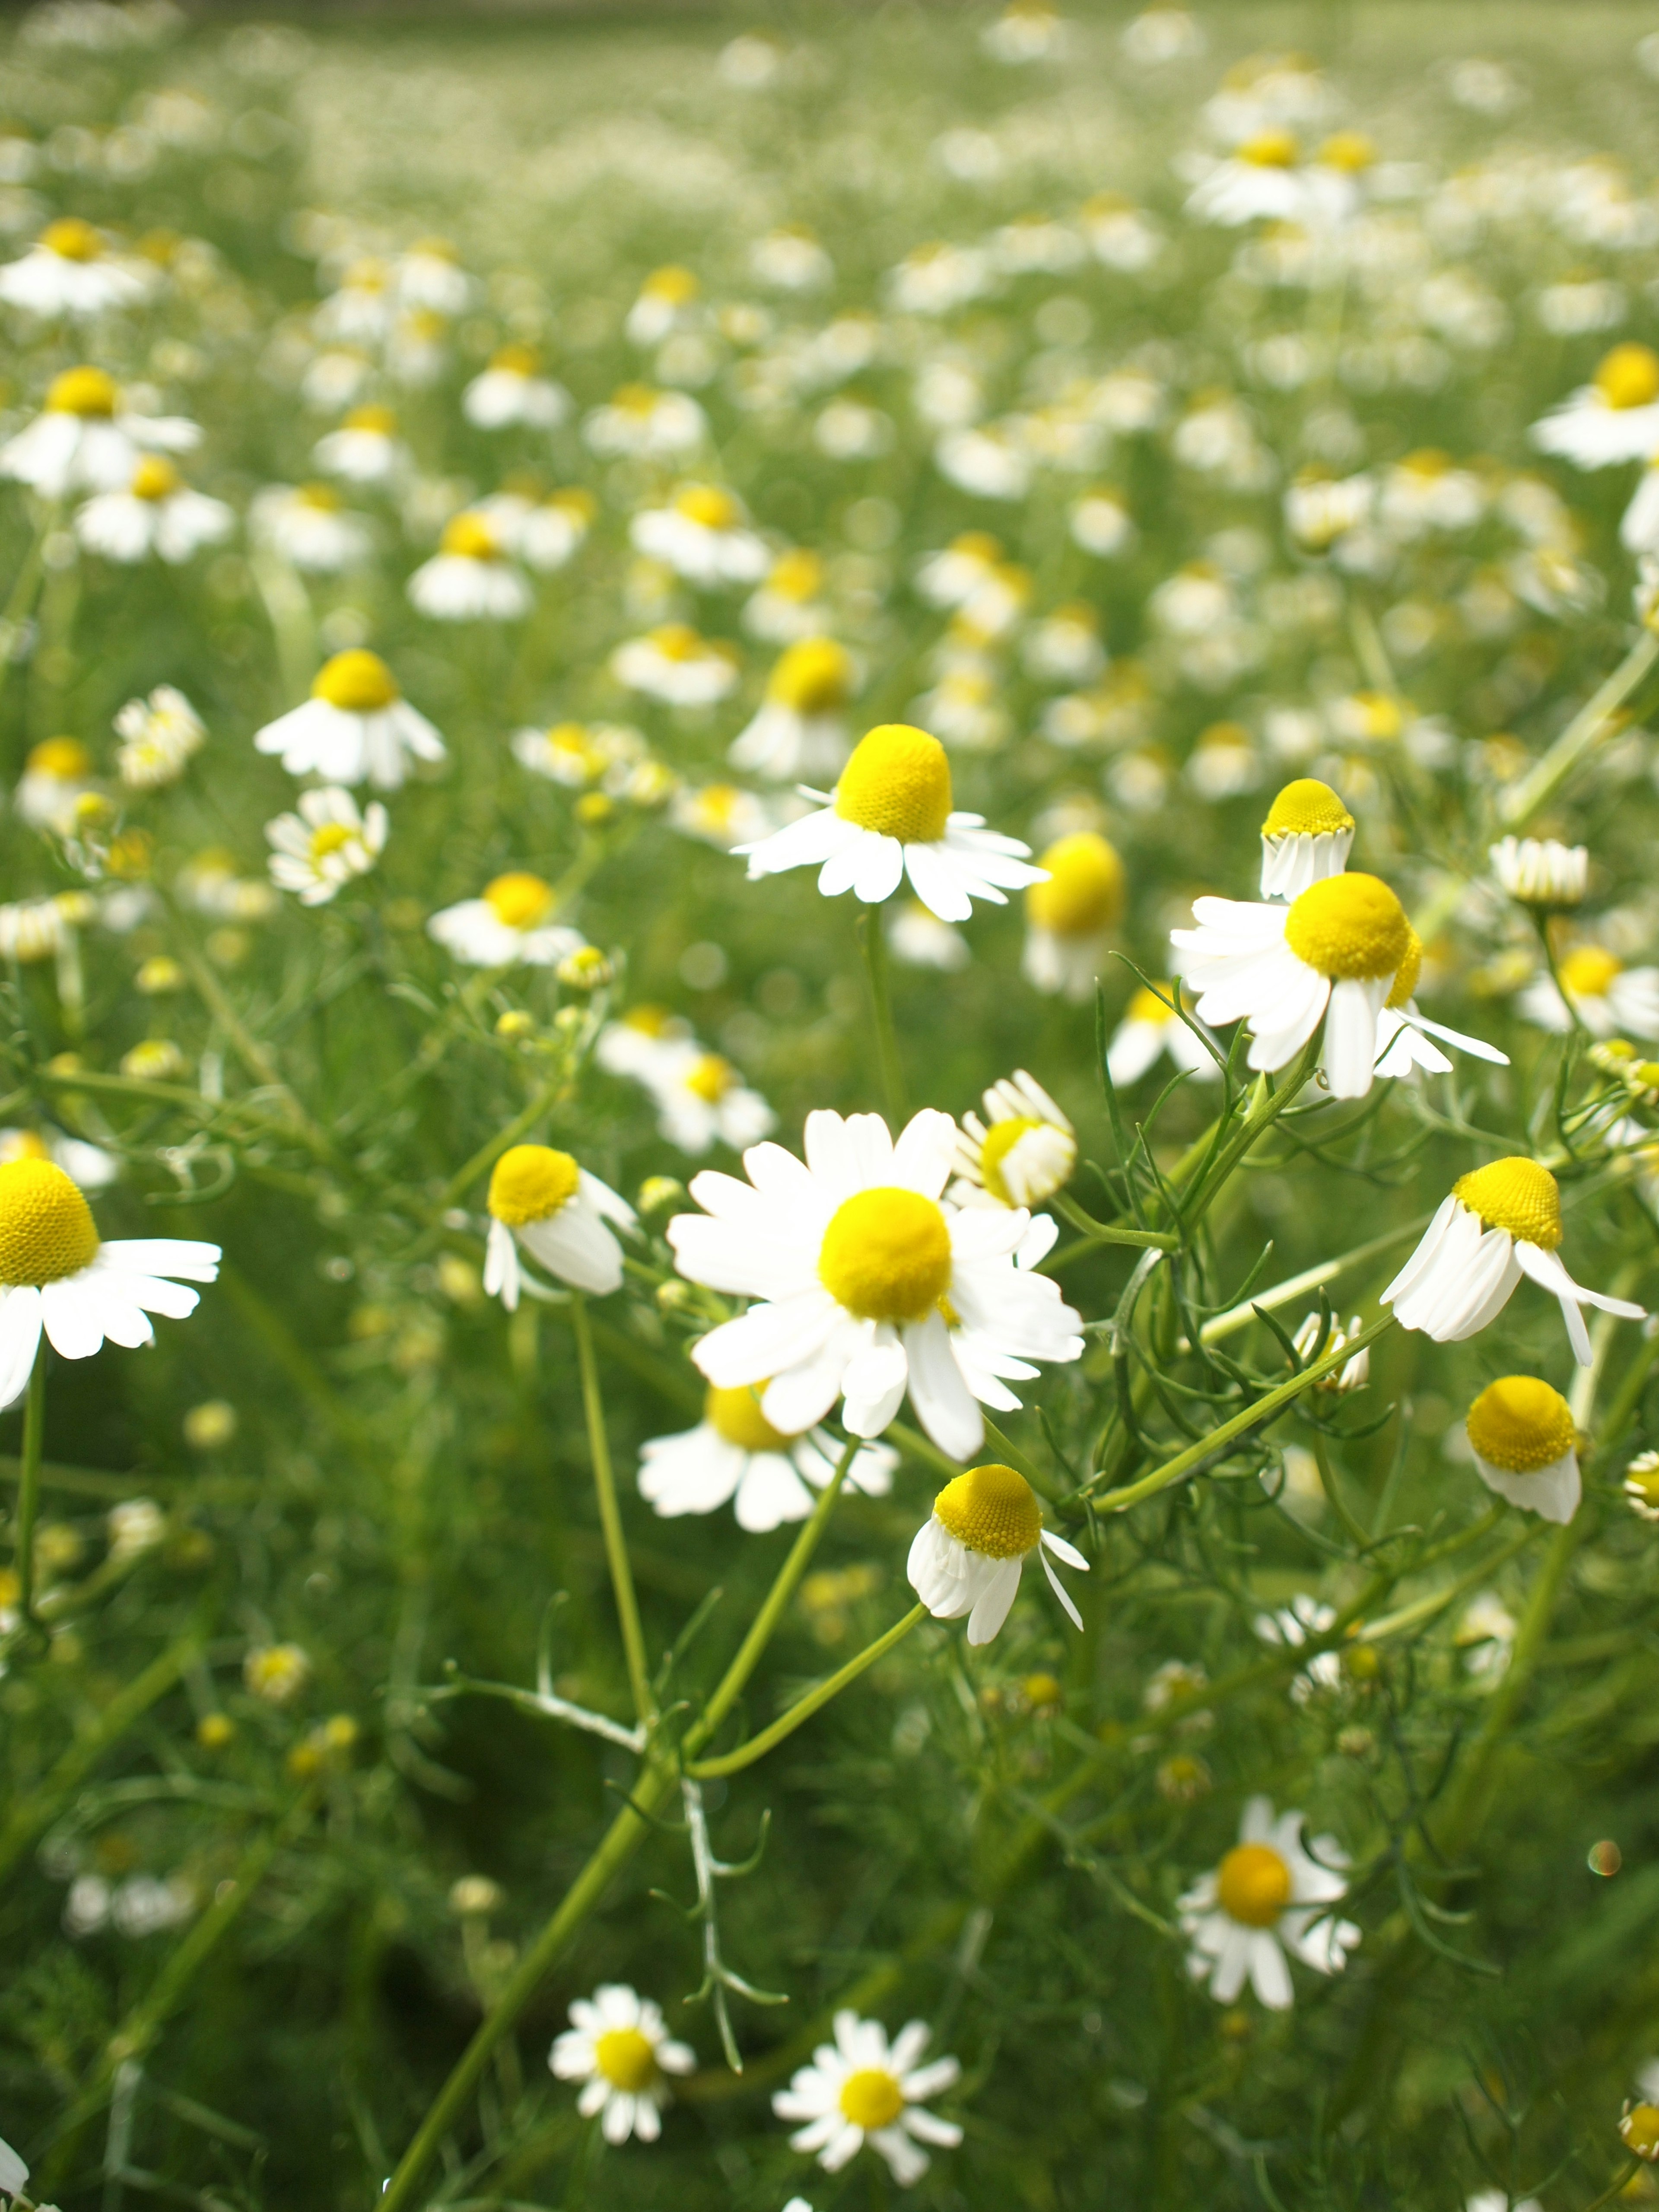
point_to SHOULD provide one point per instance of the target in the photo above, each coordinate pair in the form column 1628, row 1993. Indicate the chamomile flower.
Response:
column 667, row 300
column 966, row 1557
column 57, row 1274
column 366, row 449
column 800, row 729
column 1289, row 1627
column 920, row 939
column 1261, row 178
column 1614, row 417
column 860, row 2087
column 85, row 439
column 70, row 270
column 1641, row 1486
column 1525, row 1445
column 1541, row 871
column 1270, row 1893
column 311, row 527
column 673, row 663
column 356, row 725
column 618, row 2047
column 1070, row 916
column 1305, row 838
column 866, row 1285
column 542, row 1202
column 889, row 815
column 88, row 1166
column 1314, row 1336
column 159, row 737
column 317, row 852
column 1150, row 1026
column 702, row 535
column 57, row 775
column 1609, row 999
column 511, row 921
column 644, row 424
column 549, row 533
column 702, row 1100
column 157, row 513
column 734, row 1452
column 1500, row 1222
column 1019, row 1155
column 513, row 391
column 788, row 605
column 470, row 578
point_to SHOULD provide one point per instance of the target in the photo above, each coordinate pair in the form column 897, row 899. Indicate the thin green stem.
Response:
column 28, row 1496
column 732, row 1762
column 1592, row 723
column 487, row 1155
column 604, row 1485
column 1106, row 1232
column 1616, row 2187
column 872, row 944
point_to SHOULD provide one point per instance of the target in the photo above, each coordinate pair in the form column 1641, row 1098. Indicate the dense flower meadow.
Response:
column 829, row 1156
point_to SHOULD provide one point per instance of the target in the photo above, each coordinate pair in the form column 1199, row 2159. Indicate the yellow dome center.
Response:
column 1147, row 1006
column 519, row 899
column 1085, row 891
column 1520, row 1424
column 676, row 641
column 516, row 360
column 1269, row 149
column 812, row 676
column 154, row 478
column 1410, row 968
column 871, row 2099
column 1516, row 1194
column 992, row 1510
column 1045, row 1157
column 84, row 391
column 71, row 239
column 671, row 284
column 711, row 1078
column 531, row 1182
column 357, row 682
column 886, row 1255
column 1253, row 1884
column 1640, row 2130
column 1350, row 151
column 66, row 758
column 736, row 1415
column 322, row 496
column 708, row 505
column 898, row 784
column 796, row 574
column 1350, row 928
column 626, row 2058
column 332, row 837
column 45, row 1225
column 380, row 420
column 469, row 538
column 1629, row 376
column 1588, row 971
column 1306, row 808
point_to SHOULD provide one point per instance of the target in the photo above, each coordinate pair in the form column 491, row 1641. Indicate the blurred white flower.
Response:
column 318, row 851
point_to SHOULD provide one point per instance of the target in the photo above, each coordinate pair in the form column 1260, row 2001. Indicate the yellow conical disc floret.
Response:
column 1152, row 1005
column 84, row 392
column 469, row 538
column 711, row 1078
column 519, row 899
column 1516, row 1194
column 1352, row 928
column 67, row 758
column 1520, row 1425
column 531, row 1182
column 46, row 1230
column 357, row 682
column 1041, row 1156
column 1588, row 971
column 154, row 478
column 1629, row 376
column 709, row 506
column 736, row 1415
column 1085, row 891
column 672, row 283
column 871, row 2099
column 1410, row 968
column 886, row 1255
column 1350, row 151
column 813, row 676
column 991, row 1510
column 1253, row 1884
column 380, row 420
column 898, row 784
column 1269, row 149
column 625, row 2058
column 1306, row 808
column 71, row 239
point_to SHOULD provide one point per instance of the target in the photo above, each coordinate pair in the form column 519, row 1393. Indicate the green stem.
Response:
column 1616, row 2187
column 1106, row 1232
column 732, row 1762
column 28, row 1496
column 1593, row 722
column 1269, row 1106
column 487, row 1155
column 604, row 1485
column 872, row 944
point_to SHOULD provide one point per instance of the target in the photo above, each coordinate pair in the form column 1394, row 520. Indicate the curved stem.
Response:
column 733, row 1762
column 604, row 1485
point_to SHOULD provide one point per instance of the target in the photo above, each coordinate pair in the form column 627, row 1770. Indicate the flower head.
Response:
column 159, row 735
column 1304, row 839
column 542, row 1202
column 470, row 578
column 1020, row 1155
column 735, row 1452
column 1541, row 872
column 511, row 921
column 1151, row 1025
column 1642, row 1485
column 1524, row 1440
column 967, row 1556
column 317, row 852
column 1614, row 417
column 1271, row 1892
column 1070, row 914
column 861, row 2086
column 619, row 2047
column 356, row 725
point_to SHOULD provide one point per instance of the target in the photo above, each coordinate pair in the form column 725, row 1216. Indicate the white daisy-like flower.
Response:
column 667, row 300
column 1609, row 999
column 429, row 275
column 1270, row 1893
column 723, row 815
column 702, row 1100
column 789, row 604
column 866, row 1285
column 55, row 1274
column 89, row 1165
column 619, row 2047
column 158, row 514
column 800, row 729
column 1305, row 838
column 84, row 439
column 1018, row 1156
column 470, row 578
column 642, row 422
column 951, row 578
column 311, row 527
column 356, row 724
column 56, row 776
column 513, row 390
column 792, row 259
column 1500, row 1222
column 889, row 815
column 673, row 663
column 540, row 1201
column 862, row 2088
column 920, row 939
column 966, row 1557
column 513, row 920
column 1151, row 1026
column 1261, row 178
column 702, row 535
column 734, row 1452
column 1290, row 1627
column 547, row 534
column 366, row 449
column 1525, row 1445
column 159, row 737
column 1353, row 1373
column 70, row 270
column 1071, row 915
column 359, row 312
column 1614, row 417
column 317, row 852
column 1541, row 872
column 39, row 929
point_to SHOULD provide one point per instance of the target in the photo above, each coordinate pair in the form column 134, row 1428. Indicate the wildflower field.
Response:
column 829, row 1125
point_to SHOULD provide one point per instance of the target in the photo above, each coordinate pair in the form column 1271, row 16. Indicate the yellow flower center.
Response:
column 45, row 1225
column 1306, row 808
column 649, row 1021
column 796, row 575
column 357, row 682
column 1253, row 1884
column 1516, row 1194
column 470, row 537
column 154, row 478
column 1026, row 1159
column 1380, row 716
column 380, row 420
column 519, row 899
column 66, row 758
column 626, row 2058
column 898, row 784
column 871, row 2099
column 1349, row 927
column 71, row 239
column 516, row 360
column 1629, row 376
column 1410, row 968
column 1587, row 971
column 812, row 676
column 531, row 1182
column 1642, row 1479
column 1269, row 149
column 84, row 391
column 1351, row 151
column 708, row 505
column 330, row 838
column 992, row 1510
column 1520, row 1424
column 576, row 502
column 1640, row 2130
column 1084, row 893
column 322, row 496
column 711, row 1078
column 671, row 284
column 1147, row 1006
column 736, row 1415
column 676, row 641
column 886, row 1255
